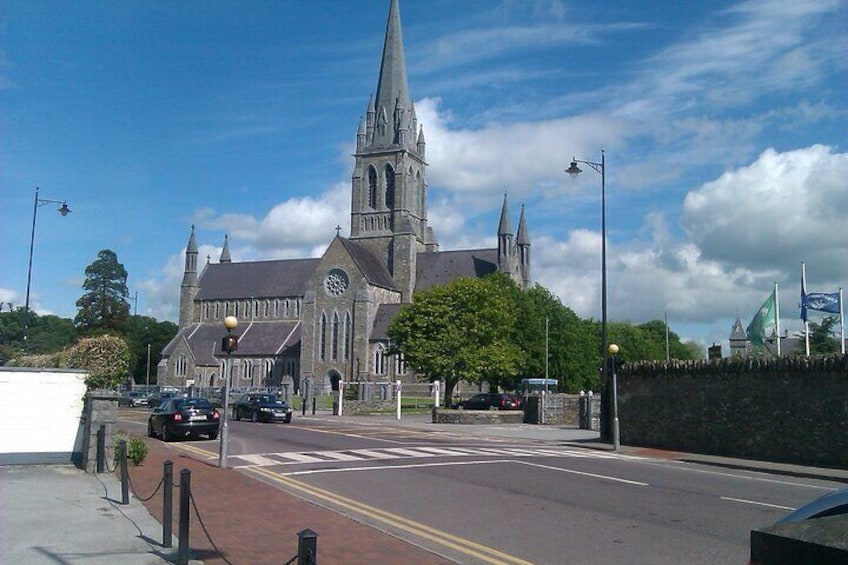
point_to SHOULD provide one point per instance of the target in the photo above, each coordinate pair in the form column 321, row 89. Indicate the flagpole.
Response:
column 803, row 308
column 841, row 323
column 777, row 317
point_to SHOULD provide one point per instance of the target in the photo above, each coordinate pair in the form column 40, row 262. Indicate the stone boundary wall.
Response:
column 790, row 410
column 101, row 409
column 450, row 416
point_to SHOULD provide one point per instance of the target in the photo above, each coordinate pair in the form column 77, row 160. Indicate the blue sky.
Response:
column 724, row 125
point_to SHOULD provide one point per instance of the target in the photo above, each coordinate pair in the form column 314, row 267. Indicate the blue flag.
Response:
column 822, row 301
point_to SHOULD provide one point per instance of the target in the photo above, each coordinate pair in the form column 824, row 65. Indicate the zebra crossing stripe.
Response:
column 373, row 454
column 409, row 452
column 259, row 460
column 338, row 456
column 301, row 457
column 441, row 451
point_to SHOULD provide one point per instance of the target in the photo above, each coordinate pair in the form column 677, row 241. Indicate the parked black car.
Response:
column 157, row 398
column 491, row 401
column 179, row 418
column 261, row 407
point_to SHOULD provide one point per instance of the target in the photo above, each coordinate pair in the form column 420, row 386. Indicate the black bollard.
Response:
column 125, row 475
column 167, row 503
column 303, row 404
column 307, row 547
column 185, row 499
column 101, row 448
column 314, row 404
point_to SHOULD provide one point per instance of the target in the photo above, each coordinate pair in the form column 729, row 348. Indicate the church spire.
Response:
column 392, row 104
column 190, row 284
column 225, row 251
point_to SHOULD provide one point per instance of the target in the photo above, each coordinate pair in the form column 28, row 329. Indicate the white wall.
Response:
column 40, row 411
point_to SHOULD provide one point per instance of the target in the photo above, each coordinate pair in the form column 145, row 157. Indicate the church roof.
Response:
column 443, row 267
column 385, row 314
column 256, row 279
column 370, row 264
column 257, row 338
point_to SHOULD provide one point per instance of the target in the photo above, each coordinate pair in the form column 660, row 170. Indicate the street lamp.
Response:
column 228, row 345
column 64, row 210
column 616, row 438
column 573, row 171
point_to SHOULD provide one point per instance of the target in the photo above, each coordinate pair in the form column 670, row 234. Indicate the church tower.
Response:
column 190, row 285
column 388, row 197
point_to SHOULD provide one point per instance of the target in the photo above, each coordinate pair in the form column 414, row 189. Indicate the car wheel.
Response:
column 288, row 419
column 213, row 436
column 254, row 417
column 236, row 415
column 150, row 432
column 166, row 435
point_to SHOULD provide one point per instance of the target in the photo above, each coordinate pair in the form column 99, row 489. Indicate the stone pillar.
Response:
column 101, row 408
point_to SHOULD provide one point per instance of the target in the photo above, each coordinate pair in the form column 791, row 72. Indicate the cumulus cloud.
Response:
column 782, row 208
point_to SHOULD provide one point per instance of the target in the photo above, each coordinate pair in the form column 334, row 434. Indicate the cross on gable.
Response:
column 338, row 230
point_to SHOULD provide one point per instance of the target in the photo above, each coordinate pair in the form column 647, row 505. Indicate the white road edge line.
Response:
column 756, row 503
column 584, row 474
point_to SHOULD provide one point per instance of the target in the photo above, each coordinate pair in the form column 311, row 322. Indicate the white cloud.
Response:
column 782, row 208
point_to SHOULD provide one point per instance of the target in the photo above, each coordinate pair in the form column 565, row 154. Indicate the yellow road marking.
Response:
column 418, row 529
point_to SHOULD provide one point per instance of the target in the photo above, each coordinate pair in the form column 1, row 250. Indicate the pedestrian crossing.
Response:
column 409, row 452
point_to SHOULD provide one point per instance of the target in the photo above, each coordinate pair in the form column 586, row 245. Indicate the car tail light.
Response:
column 215, row 415
column 178, row 417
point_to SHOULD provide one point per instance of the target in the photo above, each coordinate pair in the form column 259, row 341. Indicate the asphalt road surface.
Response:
column 514, row 501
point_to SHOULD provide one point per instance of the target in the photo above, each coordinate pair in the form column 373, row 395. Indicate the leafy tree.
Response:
column 655, row 331
column 822, row 338
column 141, row 332
column 104, row 306
column 572, row 344
column 47, row 334
column 460, row 331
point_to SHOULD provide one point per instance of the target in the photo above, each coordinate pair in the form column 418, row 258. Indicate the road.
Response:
column 510, row 500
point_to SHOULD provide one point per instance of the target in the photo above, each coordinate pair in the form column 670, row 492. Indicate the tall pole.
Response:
column 229, row 344
column 604, row 347
column 29, row 270
column 64, row 210
column 606, row 400
column 148, row 366
column 546, row 354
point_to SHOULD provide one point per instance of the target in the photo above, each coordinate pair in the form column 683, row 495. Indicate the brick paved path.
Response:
column 253, row 523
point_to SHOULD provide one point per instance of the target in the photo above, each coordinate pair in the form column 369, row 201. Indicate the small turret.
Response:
column 225, row 251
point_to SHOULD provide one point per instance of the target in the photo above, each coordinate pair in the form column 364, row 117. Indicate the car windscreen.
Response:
column 181, row 403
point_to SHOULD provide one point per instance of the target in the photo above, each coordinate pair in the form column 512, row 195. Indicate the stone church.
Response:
column 305, row 324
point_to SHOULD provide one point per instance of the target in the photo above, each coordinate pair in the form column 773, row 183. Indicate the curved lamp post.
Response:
column 616, row 438
column 573, row 171
column 228, row 345
column 64, row 210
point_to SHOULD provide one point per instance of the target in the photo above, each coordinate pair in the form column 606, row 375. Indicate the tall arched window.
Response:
column 322, row 332
column 348, row 335
column 390, row 187
column 372, row 187
column 334, row 345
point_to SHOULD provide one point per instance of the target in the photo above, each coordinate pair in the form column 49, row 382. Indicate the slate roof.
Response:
column 440, row 268
column 257, row 338
column 370, row 264
column 385, row 314
column 256, row 279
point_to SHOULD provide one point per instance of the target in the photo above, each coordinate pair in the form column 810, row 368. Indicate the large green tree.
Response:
column 572, row 345
column 105, row 306
column 141, row 332
column 460, row 331
column 47, row 334
column 822, row 338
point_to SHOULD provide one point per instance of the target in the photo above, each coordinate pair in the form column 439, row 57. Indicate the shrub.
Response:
column 136, row 449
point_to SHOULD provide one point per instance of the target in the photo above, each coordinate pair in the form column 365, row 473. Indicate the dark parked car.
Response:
column 132, row 399
column 261, row 407
column 157, row 398
column 491, row 401
column 178, row 418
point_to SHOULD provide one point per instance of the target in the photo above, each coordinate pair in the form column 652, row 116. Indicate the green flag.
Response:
column 764, row 318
